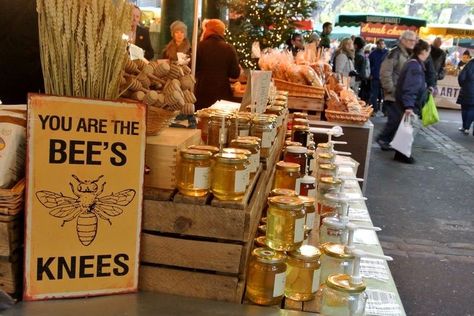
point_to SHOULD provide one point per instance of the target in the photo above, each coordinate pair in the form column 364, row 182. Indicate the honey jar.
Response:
column 342, row 298
column 326, row 170
column 193, row 172
column 334, row 260
column 297, row 154
column 285, row 175
column 259, row 242
column 266, row 277
column 324, row 148
column 203, row 122
column 309, row 205
column 253, row 138
column 218, row 127
column 262, row 230
column 239, row 126
column 229, row 177
column 263, row 126
column 240, row 151
column 300, row 134
column 285, row 223
column 284, row 192
column 306, row 186
column 213, row 149
column 253, row 147
column 302, row 273
column 325, row 158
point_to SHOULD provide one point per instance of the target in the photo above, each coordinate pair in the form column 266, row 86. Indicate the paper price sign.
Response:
column 260, row 87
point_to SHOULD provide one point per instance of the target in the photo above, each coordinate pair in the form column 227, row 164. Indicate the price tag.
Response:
column 241, row 180
column 201, row 178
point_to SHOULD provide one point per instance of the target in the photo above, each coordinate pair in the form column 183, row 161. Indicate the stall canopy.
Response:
column 448, row 30
column 356, row 19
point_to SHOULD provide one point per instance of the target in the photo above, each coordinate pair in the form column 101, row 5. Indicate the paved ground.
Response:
column 426, row 211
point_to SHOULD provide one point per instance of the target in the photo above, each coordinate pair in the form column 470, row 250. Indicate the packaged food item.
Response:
column 193, row 172
column 229, row 177
column 12, row 147
column 302, row 273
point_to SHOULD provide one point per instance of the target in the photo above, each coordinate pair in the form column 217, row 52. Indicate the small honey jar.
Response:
column 286, row 174
column 341, row 297
column 229, row 178
column 253, row 147
column 309, row 205
column 193, row 172
column 297, row 154
column 239, row 126
column 334, row 259
column 300, row 134
column 284, row 192
column 218, row 127
column 302, row 273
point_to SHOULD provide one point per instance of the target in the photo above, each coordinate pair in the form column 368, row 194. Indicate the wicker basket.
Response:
column 299, row 90
column 157, row 119
column 348, row 117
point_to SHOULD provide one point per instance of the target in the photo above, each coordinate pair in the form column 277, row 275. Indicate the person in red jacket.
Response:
column 216, row 62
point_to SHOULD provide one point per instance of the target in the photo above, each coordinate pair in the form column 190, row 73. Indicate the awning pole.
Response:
column 195, row 37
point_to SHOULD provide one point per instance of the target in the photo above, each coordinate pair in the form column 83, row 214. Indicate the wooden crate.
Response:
column 305, row 104
column 199, row 247
column 11, row 234
column 162, row 153
column 11, row 268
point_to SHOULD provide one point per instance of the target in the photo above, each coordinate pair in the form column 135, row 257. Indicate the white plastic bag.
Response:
column 404, row 137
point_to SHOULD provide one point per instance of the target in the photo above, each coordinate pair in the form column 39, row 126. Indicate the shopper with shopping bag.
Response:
column 410, row 96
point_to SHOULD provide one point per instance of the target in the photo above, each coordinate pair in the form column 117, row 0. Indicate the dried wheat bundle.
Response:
column 82, row 50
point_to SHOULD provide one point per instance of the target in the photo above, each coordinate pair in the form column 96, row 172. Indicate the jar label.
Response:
column 315, row 284
column 279, row 120
column 254, row 162
column 201, row 178
column 244, row 132
column 310, row 220
column 312, row 193
column 241, row 180
column 223, row 132
column 279, row 285
column 267, row 139
column 299, row 229
column 297, row 186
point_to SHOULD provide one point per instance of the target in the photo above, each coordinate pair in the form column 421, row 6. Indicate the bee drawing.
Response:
column 88, row 206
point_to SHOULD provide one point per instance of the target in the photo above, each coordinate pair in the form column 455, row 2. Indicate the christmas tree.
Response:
column 270, row 22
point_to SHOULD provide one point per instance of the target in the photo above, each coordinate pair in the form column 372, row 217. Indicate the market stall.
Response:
column 448, row 88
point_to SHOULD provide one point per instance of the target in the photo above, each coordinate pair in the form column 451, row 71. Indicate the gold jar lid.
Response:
column 292, row 143
column 260, row 242
column 245, row 143
column 214, row 150
column 300, row 128
column 307, row 253
column 325, row 156
column 300, row 115
column 204, row 113
column 195, row 154
column 324, row 145
column 327, row 166
column 217, row 116
column 330, row 180
column 335, row 250
column 283, row 192
column 296, row 149
column 286, row 202
column 288, row 166
column 230, row 158
column 267, row 255
column 254, row 138
column 301, row 121
column 238, row 151
column 240, row 119
column 342, row 283
column 307, row 200
column 262, row 119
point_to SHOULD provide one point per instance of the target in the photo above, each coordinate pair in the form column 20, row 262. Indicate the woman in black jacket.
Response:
column 466, row 96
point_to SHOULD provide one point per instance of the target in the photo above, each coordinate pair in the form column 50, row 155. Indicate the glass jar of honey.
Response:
column 253, row 147
column 297, row 154
column 193, row 172
column 300, row 134
column 266, row 277
column 282, row 192
column 340, row 297
column 334, row 259
column 264, row 128
column 324, row 148
column 218, row 128
column 307, row 186
column 326, row 170
column 285, row 223
column 311, row 218
column 326, row 185
column 325, row 158
column 213, row 149
column 203, row 122
column 302, row 273
column 278, row 111
column 240, row 151
column 229, row 176
column 286, row 174
column 239, row 126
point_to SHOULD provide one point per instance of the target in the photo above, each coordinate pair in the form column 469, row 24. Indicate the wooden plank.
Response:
column 239, row 294
column 314, row 305
column 240, row 204
column 204, row 255
column 188, row 283
column 157, row 194
column 11, row 236
column 197, row 200
column 193, row 220
column 10, row 274
column 293, row 305
column 301, row 103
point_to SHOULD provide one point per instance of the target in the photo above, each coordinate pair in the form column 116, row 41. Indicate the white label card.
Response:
column 279, row 285
column 241, row 180
column 315, row 284
column 299, row 229
column 254, row 162
column 310, row 220
column 201, row 178
column 267, row 139
column 244, row 132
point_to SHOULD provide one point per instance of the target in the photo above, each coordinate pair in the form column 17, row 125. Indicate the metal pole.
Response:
column 195, row 37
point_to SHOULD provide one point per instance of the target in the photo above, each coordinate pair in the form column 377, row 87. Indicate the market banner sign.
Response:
column 379, row 30
column 448, row 92
column 84, row 196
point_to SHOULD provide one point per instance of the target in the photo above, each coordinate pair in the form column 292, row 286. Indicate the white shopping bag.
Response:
column 403, row 139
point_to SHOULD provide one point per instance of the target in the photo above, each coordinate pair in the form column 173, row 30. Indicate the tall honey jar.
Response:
column 218, row 127
column 239, row 126
column 193, row 172
column 286, row 174
column 213, row 149
column 340, row 297
column 229, row 177
column 285, row 223
column 284, row 192
column 240, row 151
column 311, row 216
column 300, row 134
column 263, row 126
column 334, row 259
column 266, row 277
column 302, row 273
column 297, row 154
column 254, row 147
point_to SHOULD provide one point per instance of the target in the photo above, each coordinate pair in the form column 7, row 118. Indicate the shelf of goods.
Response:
column 199, row 247
column 365, row 240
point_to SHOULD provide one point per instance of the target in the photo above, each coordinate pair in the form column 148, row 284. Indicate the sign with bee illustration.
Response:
column 84, row 196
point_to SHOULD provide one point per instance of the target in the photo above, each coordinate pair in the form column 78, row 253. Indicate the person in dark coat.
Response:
column 411, row 90
column 216, row 62
column 362, row 67
column 466, row 96
column 325, row 41
column 139, row 35
column 439, row 58
column 375, row 58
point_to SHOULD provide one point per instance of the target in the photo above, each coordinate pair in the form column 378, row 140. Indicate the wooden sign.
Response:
column 85, row 174
column 378, row 30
